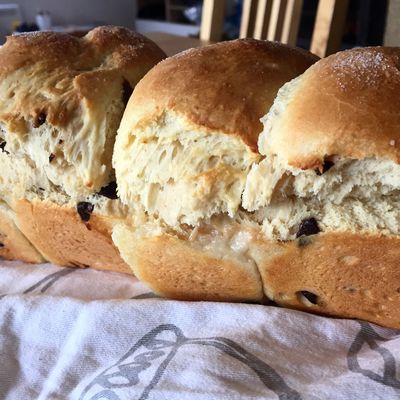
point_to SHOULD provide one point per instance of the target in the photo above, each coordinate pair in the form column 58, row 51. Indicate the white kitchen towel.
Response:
column 90, row 335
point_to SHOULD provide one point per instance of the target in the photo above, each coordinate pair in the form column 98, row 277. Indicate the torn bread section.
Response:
column 177, row 159
column 62, row 99
column 184, row 148
column 192, row 126
column 209, row 262
column 351, row 195
column 342, row 166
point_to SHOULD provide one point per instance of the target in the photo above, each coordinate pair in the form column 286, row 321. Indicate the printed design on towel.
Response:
column 144, row 364
column 368, row 336
column 46, row 282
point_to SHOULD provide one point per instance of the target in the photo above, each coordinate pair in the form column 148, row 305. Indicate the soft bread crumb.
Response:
column 353, row 195
column 62, row 99
column 182, row 172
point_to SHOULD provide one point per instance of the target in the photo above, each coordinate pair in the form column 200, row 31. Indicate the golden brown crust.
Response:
column 64, row 239
column 103, row 51
column 346, row 275
column 224, row 87
column 346, row 104
column 352, row 275
column 13, row 244
column 175, row 269
column 112, row 47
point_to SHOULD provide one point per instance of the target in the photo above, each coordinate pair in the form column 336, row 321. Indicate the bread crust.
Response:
column 208, row 87
column 346, row 104
column 64, row 239
column 103, row 51
column 14, row 245
column 174, row 268
column 352, row 275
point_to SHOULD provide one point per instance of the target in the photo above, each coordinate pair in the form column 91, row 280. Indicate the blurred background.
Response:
column 356, row 22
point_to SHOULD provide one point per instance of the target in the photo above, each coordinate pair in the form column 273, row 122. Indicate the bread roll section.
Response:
column 329, row 201
column 62, row 102
column 241, row 171
column 184, row 149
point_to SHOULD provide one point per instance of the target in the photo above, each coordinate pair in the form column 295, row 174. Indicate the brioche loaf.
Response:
column 186, row 143
column 62, row 99
column 301, row 208
column 310, row 218
column 329, row 202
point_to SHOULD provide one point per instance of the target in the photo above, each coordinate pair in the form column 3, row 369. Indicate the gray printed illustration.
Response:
column 368, row 336
column 45, row 283
column 144, row 364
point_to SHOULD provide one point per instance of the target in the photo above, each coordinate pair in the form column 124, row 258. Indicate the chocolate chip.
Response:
column 2, row 147
column 109, row 191
column 51, row 157
column 308, row 227
column 84, row 209
column 40, row 120
column 60, row 141
column 41, row 188
column 1, row 244
column 311, row 297
column 126, row 91
column 327, row 165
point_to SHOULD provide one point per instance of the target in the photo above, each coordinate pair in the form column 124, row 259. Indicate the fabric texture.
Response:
column 84, row 334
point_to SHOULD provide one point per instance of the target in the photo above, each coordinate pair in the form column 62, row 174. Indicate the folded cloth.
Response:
column 86, row 334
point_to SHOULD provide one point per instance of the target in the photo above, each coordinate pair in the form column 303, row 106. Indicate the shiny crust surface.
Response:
column 78, row 66
column 223, row 87
column 346, row 104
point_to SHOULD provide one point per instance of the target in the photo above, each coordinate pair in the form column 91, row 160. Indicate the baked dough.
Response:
column 62, row 99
